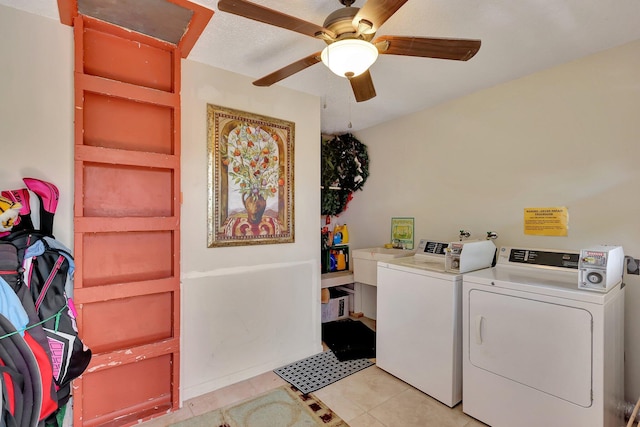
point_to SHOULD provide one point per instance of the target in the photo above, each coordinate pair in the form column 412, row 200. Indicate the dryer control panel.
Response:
column 600, row 267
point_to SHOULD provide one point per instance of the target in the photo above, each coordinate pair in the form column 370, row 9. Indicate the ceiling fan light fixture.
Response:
column 349, row 58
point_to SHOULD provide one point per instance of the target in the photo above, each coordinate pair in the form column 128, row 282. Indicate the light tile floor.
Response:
column 369, row 398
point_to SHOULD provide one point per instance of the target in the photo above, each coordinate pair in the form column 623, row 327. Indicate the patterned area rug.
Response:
column 320, row 370
column 283, row 406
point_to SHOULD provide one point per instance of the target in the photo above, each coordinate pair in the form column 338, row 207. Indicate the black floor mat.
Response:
column 316, row 372
column 349, row 339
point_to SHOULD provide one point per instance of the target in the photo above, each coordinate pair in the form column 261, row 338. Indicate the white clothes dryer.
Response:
column 419, row 321
column 537, row 350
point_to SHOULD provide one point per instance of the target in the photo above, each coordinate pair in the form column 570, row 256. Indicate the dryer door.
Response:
column 539, row 344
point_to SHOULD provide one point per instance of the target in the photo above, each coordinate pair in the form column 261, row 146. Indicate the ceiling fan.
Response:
column 351, row 48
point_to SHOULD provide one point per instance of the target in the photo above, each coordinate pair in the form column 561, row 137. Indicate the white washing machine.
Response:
column 537, row 350
column 419, row 322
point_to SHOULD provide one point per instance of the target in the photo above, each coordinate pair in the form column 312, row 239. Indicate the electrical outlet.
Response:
column 633, row 265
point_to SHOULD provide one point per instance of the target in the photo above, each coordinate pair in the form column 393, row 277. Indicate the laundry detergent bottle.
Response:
column 341, row 233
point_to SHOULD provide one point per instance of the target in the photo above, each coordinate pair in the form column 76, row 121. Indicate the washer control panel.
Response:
column 469, row 255
column 452, row 257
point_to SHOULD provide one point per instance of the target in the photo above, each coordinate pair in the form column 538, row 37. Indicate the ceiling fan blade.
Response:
column 362, row 86
column 289, row 70
column 377, row 12
column 272, row 17
column 457, row 49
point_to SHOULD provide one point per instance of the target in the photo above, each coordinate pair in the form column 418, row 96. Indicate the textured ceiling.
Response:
column 518, row 38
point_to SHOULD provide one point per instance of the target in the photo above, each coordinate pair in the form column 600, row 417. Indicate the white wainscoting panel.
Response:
column 241, row 322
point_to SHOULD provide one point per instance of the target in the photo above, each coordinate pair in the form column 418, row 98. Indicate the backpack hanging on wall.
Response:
column 48, row 275
column 43, row 283
column 29, row 394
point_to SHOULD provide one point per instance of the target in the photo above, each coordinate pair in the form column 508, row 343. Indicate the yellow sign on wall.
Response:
column 546, row 221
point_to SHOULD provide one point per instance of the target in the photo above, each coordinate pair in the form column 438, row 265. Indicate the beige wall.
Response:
column 568, row 136
column 249, row 309
column 36, row 109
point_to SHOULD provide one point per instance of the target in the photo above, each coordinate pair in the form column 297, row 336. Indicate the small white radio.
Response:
column 600, row 268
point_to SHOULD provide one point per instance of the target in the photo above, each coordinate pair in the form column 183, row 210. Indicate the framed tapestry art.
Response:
column 250, row 178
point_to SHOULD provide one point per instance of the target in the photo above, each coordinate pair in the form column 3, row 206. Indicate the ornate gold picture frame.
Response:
column 250, row 178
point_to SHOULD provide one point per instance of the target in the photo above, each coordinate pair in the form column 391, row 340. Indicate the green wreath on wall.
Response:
column 345, row 169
